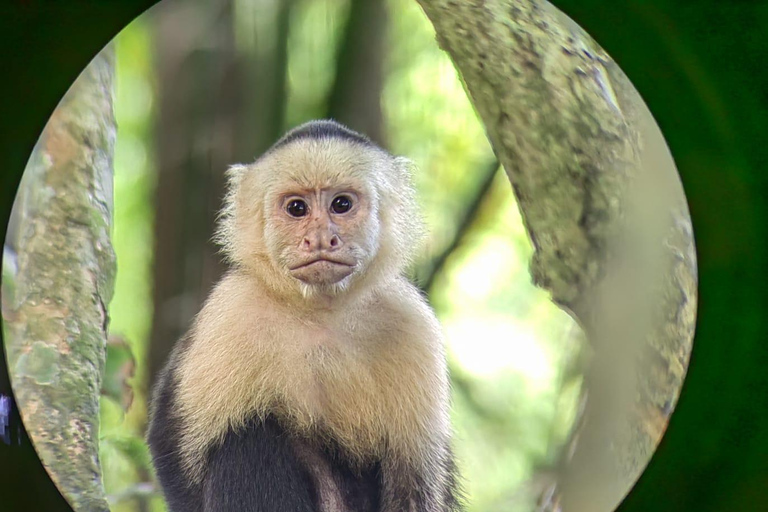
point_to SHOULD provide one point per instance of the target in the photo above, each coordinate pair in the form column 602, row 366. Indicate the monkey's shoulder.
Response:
column 401, row 308
column 237, row 307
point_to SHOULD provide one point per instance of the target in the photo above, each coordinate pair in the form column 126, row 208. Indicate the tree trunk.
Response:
column 355, row 99
column 195, row 134
column 56, row 318
column 605, row 211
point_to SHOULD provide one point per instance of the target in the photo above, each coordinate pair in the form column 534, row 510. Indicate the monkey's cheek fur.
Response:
column 322, row 273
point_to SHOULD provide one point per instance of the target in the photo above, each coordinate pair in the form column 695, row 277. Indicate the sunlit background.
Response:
column 510, row 348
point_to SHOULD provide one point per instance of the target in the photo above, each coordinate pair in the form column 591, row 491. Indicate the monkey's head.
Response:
column 321, row 211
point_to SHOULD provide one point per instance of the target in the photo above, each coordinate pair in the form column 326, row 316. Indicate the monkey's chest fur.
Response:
column 254, row 428
column 319, row 476
column 390, row 394
column 257, row 459
column 267, row 415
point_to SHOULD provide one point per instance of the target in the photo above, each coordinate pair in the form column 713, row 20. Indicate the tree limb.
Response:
column 605, row 215
column 57, row 327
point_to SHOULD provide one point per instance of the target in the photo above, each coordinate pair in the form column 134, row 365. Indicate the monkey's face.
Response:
column 319, row 216
column 323, row 236
column 322, row 227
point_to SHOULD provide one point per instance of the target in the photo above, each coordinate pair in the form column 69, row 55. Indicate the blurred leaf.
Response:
column 120, row 367
column 134, row 448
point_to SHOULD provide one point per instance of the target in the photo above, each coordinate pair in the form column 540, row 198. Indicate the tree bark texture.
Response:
column 606, row 214
column 56, row 319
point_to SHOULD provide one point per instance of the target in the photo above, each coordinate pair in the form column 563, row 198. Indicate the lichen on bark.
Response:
column 56, row 317
column 605, row 211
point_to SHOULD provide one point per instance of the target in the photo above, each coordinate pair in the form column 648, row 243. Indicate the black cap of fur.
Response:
column 323, row 129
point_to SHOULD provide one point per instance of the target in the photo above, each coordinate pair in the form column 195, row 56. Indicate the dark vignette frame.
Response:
column 699, row 65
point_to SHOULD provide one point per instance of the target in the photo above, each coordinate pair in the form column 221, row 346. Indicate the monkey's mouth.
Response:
column 322, row 271
column 321, row 261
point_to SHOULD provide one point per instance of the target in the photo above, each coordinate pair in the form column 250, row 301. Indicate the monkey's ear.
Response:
column 224, row 235
column 403, row 212
column 234, row 175
column 405, row 168
column 235, row 172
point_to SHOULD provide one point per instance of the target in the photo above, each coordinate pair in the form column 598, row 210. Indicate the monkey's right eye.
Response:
column 297, row 208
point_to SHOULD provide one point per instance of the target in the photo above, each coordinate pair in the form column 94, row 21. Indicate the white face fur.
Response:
column 316, row 215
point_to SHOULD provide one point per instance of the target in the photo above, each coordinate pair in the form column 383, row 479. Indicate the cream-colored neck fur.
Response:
column 370, row 374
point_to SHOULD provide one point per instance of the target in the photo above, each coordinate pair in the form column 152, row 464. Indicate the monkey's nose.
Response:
column 321, row 242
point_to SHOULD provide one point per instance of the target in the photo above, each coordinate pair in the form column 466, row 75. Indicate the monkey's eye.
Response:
column 341, row 204
column 296, row 208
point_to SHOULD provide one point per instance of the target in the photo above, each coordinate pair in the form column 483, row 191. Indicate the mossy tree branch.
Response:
column 56, row 321
column 606, row 215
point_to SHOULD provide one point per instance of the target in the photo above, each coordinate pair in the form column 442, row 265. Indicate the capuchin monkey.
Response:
column 314, row 377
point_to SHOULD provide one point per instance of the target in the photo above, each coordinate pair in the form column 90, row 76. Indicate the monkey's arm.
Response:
column 431, row 484
column 164, row 436
column 255, row 470
column 433, row 488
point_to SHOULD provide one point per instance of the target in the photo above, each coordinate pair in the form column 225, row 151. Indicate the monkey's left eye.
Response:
column 297, row 208
column 341, row 204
